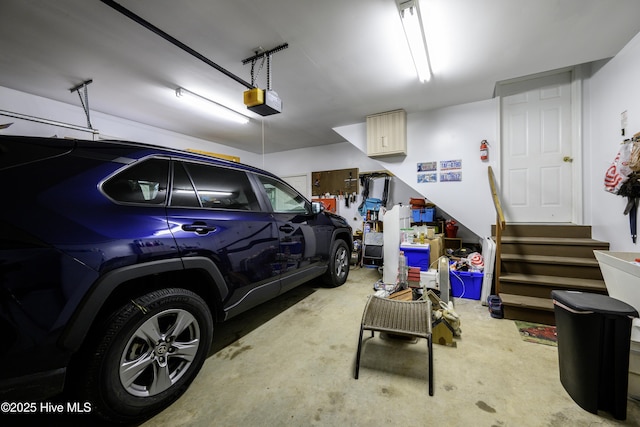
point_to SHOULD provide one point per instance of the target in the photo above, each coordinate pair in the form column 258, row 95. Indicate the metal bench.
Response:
column 406, row 318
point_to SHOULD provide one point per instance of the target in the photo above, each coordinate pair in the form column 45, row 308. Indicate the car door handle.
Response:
column 286, row 228
column 198, row 227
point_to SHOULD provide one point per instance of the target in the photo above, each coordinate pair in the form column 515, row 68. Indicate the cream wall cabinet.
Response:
column 387, row 133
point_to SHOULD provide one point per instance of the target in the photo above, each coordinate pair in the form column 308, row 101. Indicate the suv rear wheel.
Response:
column 145, row 355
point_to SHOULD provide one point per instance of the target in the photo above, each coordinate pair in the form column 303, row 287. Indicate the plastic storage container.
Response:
column 621, row 275
column 495, row 306
column 466, row 284
column 593, row 349
column 428, row 279
column 417, row 255
column 423, row 214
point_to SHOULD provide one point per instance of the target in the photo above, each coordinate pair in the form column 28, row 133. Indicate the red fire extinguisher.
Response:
column 484, row 150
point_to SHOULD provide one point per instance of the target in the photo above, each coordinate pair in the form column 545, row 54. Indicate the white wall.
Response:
column 448, row 134
column 340, row 156
column 109, row 126
column 612, row 89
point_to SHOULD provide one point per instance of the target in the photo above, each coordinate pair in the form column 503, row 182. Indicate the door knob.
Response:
column 567, row 159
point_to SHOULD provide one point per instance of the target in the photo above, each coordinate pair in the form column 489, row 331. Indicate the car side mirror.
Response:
column 316, row 207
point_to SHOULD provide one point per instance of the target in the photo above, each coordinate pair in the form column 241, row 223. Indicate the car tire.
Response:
column 146, row 354
column 339, row 262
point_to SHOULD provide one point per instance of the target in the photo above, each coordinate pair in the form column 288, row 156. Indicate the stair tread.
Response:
column 525, row 301
column 568, row 241
column 550, row 281
column 546, row 230
column 590, row 262
column 560, row 254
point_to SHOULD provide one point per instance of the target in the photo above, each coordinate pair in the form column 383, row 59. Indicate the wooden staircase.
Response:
column 539, row 258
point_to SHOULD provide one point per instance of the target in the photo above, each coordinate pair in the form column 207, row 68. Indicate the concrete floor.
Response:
column 291, row 361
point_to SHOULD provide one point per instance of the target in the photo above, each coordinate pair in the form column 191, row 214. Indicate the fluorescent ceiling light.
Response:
column 211, row 106
column 414, row 30
column 215, row 193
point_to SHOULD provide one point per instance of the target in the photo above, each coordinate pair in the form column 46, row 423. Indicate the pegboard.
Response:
column 335, row 182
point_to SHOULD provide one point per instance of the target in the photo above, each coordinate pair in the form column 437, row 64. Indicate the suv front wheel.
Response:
column 145, row 355
column 338, row 269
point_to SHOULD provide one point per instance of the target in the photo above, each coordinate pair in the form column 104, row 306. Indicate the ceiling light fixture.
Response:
column 414, row 30
column 211, row 106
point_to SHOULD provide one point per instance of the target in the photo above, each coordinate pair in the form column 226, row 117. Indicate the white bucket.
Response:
column 622, row 278
column 621, row 275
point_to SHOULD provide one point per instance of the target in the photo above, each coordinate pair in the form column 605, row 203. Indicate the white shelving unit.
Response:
column 394, row 220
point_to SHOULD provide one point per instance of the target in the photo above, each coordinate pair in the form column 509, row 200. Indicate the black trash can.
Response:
column 594, row 338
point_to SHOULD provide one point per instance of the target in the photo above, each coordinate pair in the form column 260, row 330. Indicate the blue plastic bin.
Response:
column 417, row 255
column 466, row 284
column 423, row 215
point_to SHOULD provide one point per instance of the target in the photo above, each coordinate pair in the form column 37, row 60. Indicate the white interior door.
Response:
column 300, row 183
column 537, row 175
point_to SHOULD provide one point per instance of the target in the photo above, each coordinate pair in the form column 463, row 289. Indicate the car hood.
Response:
column 337, row 220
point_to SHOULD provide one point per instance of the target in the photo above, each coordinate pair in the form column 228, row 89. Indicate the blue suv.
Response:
column 117, row 259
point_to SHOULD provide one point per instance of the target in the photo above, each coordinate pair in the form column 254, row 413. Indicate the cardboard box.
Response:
column 436, row 246
column 404, row 295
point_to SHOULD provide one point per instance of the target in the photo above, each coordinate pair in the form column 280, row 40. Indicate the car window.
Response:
column 182, row 191
column 283, row 198
column 145, row 182
column 223, row 188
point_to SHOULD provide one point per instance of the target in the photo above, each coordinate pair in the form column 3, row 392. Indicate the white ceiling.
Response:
column 345, row 60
